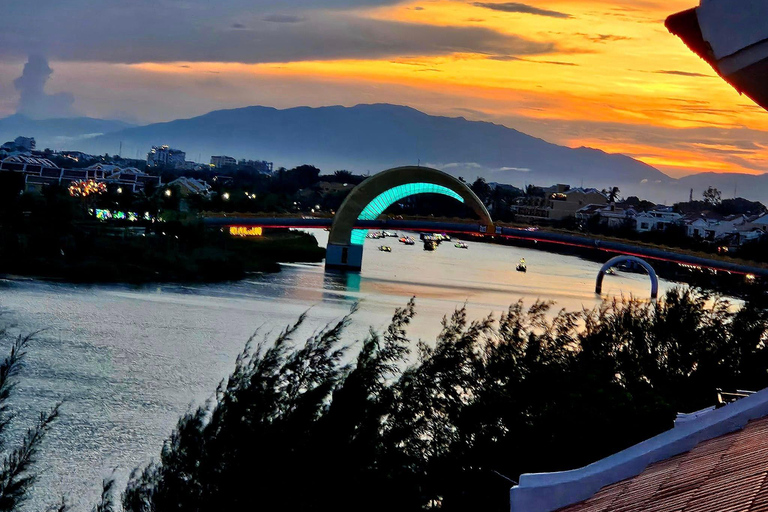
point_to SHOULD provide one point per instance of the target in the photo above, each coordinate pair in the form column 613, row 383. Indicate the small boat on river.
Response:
column 385, row 248
column 430, row 245
column 461, row 245
column 521, row 266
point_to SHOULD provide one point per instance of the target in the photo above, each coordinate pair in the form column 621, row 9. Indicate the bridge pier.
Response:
column 344, row 257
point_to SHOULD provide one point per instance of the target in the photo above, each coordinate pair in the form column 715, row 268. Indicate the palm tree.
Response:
column 612, row 193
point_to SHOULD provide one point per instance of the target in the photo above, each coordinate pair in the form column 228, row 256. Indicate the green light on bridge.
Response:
column 391, row 196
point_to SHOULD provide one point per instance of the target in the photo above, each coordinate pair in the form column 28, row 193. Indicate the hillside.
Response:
column 66, row 133
column 369, row 138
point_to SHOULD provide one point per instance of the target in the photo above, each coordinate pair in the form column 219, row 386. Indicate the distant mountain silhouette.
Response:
column 66, row 133
column 370, row 138
column 748, row 186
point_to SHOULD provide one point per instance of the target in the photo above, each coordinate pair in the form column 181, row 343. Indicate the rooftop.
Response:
column 728, row 473
column 712, row 460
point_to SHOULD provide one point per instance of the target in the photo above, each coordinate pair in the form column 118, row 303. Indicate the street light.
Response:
column 119, row 190
column 167, row 192
column 225, row 196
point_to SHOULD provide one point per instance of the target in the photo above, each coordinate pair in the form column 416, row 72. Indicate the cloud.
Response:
column 282, row 18
column 34, row 102
column 521, row 8
column 603, row 38
column 195, row 37
column 461, row 165
column 682, row 73
column 517, row 169
column 512, row 57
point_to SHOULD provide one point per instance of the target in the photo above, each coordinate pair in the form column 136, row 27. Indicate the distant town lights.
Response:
column 86, row 188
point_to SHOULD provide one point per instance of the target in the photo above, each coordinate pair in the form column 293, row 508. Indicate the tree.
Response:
column 482, row 190
column 712, row 196
column 612, row 193
column 343, row 176
column 534, row 191
column 16, row 471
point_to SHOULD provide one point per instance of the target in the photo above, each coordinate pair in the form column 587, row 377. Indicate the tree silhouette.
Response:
column 298, row 428
column 712, row 196
column 612, row 193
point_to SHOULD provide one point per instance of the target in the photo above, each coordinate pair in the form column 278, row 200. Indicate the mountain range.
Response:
column 66, row 133
column 370, row 138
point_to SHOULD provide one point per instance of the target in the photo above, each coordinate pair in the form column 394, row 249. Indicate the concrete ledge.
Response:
column 545, row 492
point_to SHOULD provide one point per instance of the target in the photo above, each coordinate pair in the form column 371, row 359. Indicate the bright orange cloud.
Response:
column 614, row 62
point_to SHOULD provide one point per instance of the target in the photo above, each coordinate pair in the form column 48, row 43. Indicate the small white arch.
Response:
column 618, row 259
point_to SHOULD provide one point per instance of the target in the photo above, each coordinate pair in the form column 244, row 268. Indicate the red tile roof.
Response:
column 725, row 474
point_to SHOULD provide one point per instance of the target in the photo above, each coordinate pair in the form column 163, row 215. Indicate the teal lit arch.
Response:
column 374, row 195
column 393, row 195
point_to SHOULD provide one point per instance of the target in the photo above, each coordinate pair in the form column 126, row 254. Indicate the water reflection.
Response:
column 130, row 360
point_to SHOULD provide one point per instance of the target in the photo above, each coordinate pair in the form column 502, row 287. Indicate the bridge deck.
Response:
column 506, row 232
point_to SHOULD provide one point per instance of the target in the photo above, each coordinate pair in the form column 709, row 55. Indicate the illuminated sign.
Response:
column 245, row 230
column 112, row 215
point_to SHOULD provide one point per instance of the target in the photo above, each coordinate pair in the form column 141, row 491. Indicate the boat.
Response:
column 385, row 248
column 430, row 245
column 461, row 245
column 407, row 240
column 521, row 266
column 391, row 234
column 610, row 271
column 425, row 237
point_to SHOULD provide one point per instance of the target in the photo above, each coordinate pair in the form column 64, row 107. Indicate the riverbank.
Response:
column 172, row 253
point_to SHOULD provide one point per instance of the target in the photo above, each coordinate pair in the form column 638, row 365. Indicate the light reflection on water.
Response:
column 129, row 360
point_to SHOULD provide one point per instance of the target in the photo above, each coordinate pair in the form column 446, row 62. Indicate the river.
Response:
column 127, row 361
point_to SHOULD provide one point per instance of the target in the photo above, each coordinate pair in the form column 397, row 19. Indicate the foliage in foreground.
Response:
column 296, row 428
column 17, row 475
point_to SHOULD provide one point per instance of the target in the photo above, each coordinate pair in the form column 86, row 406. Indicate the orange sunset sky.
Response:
column 598, row 73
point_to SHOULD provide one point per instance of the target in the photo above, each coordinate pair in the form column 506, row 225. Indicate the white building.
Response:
column 657, row 219
column 188, row 186
column 760, row 222
column 166, row 156
column 223, row 161
column 714, row 227
column 261, row 166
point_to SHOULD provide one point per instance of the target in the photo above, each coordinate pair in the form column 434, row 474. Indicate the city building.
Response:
column 221, row 161
column 558, row 203
column 188, row 186
column 657, row 219
column 759, row 222
column 39, row 172
column 166, row 156
column 77, row 156
column 261, row 166
column 26, row 164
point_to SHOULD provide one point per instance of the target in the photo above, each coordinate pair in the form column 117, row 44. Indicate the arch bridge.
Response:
column 371, row 197
column 633, row 259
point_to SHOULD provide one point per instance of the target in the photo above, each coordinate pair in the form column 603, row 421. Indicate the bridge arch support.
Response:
column 619, row 259
column 370, row 198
